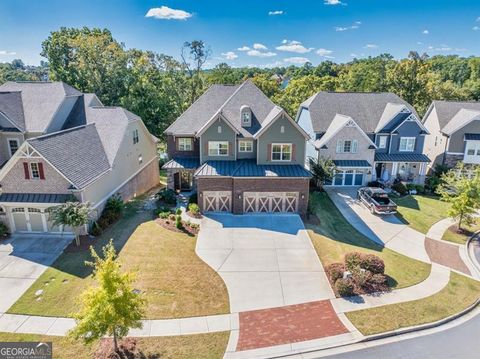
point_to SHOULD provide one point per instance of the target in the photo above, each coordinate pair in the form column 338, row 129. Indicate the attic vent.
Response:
column 246, row 116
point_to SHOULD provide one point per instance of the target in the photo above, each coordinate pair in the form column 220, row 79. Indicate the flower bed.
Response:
column 173, row 224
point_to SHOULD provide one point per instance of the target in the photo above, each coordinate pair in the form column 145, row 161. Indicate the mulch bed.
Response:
column 127, row 349
column 454, row 229
column 198, row 215
column 170, row 225
column 85, row 243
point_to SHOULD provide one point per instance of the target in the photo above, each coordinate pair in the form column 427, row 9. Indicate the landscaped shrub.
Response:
column 420, row 189
column 361, row 277
column 400, row 188
column 96, row 230
column 164, row 209
column 164, row 215
column 378, row 279
column 345, row 287
column 372, row 263
column 335, row 271
column 194, row 209
column 3, row 230
column 168, row 196
column 193, row 198
column 178, row 211
column 375, row 184
column 178, row 221
column 171, row 217
column 353, row 260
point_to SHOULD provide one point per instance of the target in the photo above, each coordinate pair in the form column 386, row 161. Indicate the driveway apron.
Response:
column 265, row 260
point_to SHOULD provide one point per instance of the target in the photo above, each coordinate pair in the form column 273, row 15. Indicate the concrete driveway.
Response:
column 265, row 260
column 22, row 260
column 386, row 230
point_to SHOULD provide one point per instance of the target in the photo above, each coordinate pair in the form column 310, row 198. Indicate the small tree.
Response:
column 72, row 214
column 322, row 170
column 110, row 308
column 463, row 192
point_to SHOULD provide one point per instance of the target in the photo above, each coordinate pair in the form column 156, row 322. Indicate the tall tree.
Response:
column 111, row 307
column 269, row 86
column 224, row 74
column 194, row 56
column 71, row 214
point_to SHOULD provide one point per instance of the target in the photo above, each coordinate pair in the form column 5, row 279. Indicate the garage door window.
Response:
column 18, row 210
column 34, row 210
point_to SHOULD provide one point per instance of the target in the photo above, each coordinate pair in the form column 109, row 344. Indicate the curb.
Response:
column 420, row 327
column 474, row 261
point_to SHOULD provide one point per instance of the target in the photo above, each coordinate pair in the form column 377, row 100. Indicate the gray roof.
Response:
column 77, row 153
column 40, row 101
column 52, row 198
column 446, row 110
column 11, row 107
column 228, row 100
column 366, row 108
column 182, row 162
column 249, row 168
column 401, row 157
column 352, row 163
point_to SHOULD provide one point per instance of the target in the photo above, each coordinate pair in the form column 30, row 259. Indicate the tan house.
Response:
column 61, row 143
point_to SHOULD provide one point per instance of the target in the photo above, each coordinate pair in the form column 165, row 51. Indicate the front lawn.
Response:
column 174, row 280
column 206, row 346
column 452, row 234
column 421, row 212
column 459, row 293
column 334, row 237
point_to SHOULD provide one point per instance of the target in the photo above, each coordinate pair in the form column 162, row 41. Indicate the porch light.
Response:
column 303, row 196
column 239, row 196
column 201, row 194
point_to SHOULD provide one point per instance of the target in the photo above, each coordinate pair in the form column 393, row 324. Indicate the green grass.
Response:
column 421, row 212
column 334, row 237
column 459, row 293
column 452, row 234
column 175, row 282
column 203, row 346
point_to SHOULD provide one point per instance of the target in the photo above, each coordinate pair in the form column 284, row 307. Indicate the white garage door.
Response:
column 217, row 201
column 28, row 219
column 270, row 202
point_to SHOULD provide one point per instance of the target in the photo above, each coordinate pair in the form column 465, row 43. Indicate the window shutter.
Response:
column 40, row 170
column 26, row 170
column 206, row 149
column 230, row 148
column 339, row 146
column 269, row 150
column 354, row 146
column 294, row 147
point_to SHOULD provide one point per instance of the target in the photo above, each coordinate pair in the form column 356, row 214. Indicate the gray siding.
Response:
column 273, row 135
column 457, row 143
column 377, row 142
column 408, row 129
column 211, row 134
column 245, row 155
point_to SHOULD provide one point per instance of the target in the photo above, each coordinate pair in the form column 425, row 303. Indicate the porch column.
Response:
column 394, row 168
column 423, row 168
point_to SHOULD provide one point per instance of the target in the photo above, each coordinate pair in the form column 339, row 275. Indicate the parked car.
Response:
column 377, row 200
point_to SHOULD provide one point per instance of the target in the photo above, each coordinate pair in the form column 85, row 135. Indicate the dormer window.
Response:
column 246, row 116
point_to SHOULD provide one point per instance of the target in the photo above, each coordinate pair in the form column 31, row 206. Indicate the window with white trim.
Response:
column 347, row 146
column 281, row 151
column 34, row 170
column 382, row 142
column 13, row 146
column 135, row 136
column 218, row 148
column 184, row 144
column 245, row 146
column 407, row 144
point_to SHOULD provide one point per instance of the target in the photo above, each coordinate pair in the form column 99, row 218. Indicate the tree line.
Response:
column 158, row 87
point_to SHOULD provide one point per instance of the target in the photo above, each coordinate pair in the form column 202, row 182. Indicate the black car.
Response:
column 377, row 200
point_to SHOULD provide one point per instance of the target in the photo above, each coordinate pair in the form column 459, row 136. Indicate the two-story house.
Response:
column 56, row 142
column 240, row 151
column 455, row 133
column 368, row 136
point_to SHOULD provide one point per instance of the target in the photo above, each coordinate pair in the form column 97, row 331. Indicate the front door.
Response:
column 186, row 181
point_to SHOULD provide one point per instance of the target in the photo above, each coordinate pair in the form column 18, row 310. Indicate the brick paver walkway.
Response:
column 289, row 324
column 446, row 254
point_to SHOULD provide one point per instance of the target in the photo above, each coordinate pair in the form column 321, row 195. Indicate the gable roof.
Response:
column 40, row 101
column 339, row 122
column 461, row 119
column 77, row 153
column 11, row 107
column 226, row 100
column 446, row 110
column 367, row 108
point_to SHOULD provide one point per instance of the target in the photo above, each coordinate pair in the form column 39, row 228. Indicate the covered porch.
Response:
column 409, row 168
column 180, row 173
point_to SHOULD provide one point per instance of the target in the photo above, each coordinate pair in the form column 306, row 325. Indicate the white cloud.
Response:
column 243, row 48
column 257, row 53
column 276, row 12
column 229, row 55
column 445, row 48
column 7, row 53
column 371, row 46
column 324, row 52
column 425, row 32
column 166, row 13
column 419, row 43
column 355, row 26
column 293, row 46
column 475, row 28
column 258, row 46
column 334, row 2
column 296, row 60
column 478, row 19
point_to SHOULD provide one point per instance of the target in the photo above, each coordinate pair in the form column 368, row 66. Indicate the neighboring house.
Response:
column 455, row 133
column 57, row 143
column 240, row 151
column 367, row 135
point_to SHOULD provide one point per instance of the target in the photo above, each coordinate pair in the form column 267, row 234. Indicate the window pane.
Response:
column 347, row 145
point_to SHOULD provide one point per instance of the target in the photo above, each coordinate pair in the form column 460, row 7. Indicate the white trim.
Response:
column 282, row 112
column 184, row 138
column 454, row 153
column 246, row 141
column 218, row 148
column 347, row 120
column 407, row 138
column 217, row 116
column 380, row 137
column 9, row 148
column 281, row 151
column 416, row 120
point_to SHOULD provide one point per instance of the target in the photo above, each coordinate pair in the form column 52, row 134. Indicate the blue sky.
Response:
column 253, row 32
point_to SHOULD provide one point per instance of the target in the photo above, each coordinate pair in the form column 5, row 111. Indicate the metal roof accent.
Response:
column 35, row 198
column 401, row 157
column 472, row 136
column 249, row 168
column 352, row 163
column 182, row 163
